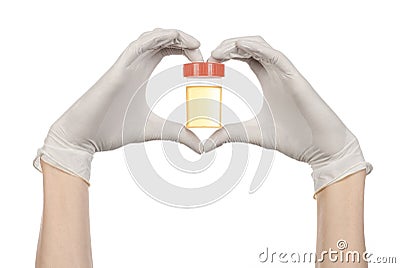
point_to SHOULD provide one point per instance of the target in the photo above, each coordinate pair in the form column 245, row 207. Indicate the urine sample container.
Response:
column 203, row 94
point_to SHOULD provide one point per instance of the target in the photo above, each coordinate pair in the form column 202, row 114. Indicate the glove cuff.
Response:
column 350, row 161
column 65, row 156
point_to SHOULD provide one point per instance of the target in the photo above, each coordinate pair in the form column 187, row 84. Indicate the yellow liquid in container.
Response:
column 203, row 106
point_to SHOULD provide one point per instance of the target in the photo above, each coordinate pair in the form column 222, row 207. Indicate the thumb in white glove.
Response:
column 96, row 121
column 302, row 125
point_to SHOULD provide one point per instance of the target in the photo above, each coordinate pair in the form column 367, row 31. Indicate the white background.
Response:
column 51, row 52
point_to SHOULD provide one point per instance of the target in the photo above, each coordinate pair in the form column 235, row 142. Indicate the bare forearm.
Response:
column 341, row 217
column 64, row 239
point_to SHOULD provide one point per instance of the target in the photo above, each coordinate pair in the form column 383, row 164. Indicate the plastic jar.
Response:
column 203, row 94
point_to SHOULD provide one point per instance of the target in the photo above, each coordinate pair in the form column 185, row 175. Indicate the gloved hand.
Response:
column 302, row 125
column 95, row 122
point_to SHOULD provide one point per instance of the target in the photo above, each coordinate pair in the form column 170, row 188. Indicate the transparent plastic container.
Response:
column 203, row 94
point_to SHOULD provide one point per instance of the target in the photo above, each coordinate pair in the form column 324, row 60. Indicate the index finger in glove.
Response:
column 266, row 55
column 252, row 47
column 165, row 38
column 228, row 49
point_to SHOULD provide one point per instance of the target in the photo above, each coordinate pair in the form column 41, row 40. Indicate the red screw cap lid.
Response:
column 203, row 69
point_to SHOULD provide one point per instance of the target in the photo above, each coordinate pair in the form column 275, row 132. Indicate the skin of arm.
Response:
column 340, row 216
column 64, row 239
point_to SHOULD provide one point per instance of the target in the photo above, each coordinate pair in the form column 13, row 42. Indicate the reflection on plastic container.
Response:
column 203, row 94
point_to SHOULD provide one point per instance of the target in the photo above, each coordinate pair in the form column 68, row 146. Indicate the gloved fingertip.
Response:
column 201, row 148
column 209, row 145
column 190, row 139
column 212, row 59
column 197, row 148
column 194, row 55
column 217, row 55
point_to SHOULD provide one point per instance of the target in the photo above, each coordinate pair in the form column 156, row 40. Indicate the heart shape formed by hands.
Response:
column 303, row 126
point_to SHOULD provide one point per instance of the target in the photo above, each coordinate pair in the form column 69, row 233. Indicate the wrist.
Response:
column 65, row 156
column 336, row 167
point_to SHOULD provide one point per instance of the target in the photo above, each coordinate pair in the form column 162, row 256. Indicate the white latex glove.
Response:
column 95, row 122
column 306, row 129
